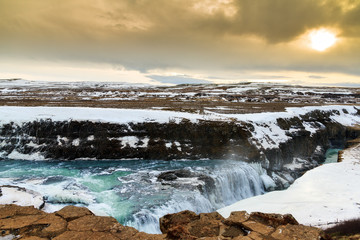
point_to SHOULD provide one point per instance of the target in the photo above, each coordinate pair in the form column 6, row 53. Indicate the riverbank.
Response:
column 322, row 197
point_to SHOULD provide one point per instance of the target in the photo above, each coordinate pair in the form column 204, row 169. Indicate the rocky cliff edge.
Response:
column 29, row 223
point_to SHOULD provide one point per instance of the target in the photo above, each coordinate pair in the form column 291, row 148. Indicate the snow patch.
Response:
column 76, row 142
column 15, row 155
column 19, row 196
column 326, row 194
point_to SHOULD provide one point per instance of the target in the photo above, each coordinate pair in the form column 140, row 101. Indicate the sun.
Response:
column 322, row 39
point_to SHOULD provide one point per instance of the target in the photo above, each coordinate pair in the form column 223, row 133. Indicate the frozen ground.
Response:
column 232, row 98
column 321, row 197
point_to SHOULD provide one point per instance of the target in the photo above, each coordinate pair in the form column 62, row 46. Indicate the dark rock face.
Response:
column 174, row 179
column 184, row 140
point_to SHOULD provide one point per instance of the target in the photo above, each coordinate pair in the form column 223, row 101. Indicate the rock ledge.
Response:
column 78, row 223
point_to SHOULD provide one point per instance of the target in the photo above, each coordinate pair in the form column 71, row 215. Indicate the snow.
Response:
column 268, row 134
column 22, row 197
column 322, row 196
column 296, row 164
column 76, row 142
column 129, row 140
column 15, row 155
column 109, row 115
column 240, row 89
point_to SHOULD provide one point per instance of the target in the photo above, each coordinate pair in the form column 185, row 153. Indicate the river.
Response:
column 130, row 190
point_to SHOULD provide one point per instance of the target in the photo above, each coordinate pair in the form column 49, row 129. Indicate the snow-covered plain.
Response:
column 321, row 197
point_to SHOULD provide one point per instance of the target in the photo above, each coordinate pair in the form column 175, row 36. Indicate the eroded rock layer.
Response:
column 79, row 223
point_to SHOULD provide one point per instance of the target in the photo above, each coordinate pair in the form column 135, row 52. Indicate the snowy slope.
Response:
column 326, row 194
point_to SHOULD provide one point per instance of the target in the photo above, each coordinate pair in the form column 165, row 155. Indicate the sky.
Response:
column 181, row 41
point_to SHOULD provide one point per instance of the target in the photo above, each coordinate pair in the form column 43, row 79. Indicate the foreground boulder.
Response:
column 69, row 223
column 79, row 223
column 187, row 225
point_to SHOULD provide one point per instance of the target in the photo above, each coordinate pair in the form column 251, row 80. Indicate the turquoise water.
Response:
column 332, row 155
column 129, row 190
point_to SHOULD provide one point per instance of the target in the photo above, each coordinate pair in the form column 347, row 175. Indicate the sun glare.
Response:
column 322, row 39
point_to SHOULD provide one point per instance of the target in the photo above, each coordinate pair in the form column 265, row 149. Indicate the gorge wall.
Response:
column 273, row 143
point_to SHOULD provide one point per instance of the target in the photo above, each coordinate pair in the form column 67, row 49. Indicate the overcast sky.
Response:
column 179, row 41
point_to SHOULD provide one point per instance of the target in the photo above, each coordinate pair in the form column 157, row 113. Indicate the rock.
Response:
column 70, row 213
column 19, row 222
column 234, row 231
column 240, row 225
column 273, row 219
column 92, row 223
column 167, row 176
column 75, row 235
column 33, row 238
column 179, row 232
column 74, row 223
column 209, row 183
column 258, row 227
column 297, row 232
column 10, row 210
column 237, row 217
column 178, row 219
column 55, row 225
column 184, row 173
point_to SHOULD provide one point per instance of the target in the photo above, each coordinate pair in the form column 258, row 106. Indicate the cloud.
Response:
column 199, row 35
column 315, row 77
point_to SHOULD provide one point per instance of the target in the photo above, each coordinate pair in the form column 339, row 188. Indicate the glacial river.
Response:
column 130, row 191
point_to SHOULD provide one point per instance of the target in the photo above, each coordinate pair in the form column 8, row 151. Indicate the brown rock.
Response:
column 258, row 227
column 204, row 228
column 11, row 210
column 145, row 236
column 253, row 236
column 177, row 219
column 122, row 232
column 33, row 238
column 74, row 235
column 297, row 232
column 55, row 225
column 273, row 219
column 92, row 223
column 208, row 225
column 212, row 215
column 18, row 222
column 70, row 213
column 236, row 218
column 233, row 231
column 179, row 232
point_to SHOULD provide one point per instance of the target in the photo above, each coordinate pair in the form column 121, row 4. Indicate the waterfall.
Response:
column 233, row 181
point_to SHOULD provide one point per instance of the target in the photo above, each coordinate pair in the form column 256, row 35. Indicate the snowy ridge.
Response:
column 322, row 196
column 266, row 132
